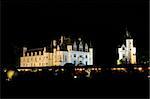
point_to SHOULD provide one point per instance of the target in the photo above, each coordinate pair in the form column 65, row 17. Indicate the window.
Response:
column 40, row 58
column 74, row 55
column 86, row 62
column 35, row 59
column 31, row 59
column 74, row 62
column 47, row 57
column 123, row 48
column 27, row 59
column 39, row 64
column 123, row 56
column 46, row 63
column 65, row 58
column 86, row 56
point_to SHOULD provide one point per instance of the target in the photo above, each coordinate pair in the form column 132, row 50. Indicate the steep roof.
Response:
column 35, row 50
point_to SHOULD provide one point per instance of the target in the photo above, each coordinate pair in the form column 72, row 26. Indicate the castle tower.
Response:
column 127, row 53
column 90, row 56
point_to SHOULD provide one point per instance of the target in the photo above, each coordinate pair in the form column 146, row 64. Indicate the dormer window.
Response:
column 123, row 48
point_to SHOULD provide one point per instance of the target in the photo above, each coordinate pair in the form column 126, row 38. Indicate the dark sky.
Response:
column 31, row 21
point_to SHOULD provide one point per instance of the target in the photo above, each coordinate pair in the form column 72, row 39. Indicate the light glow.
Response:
column 140, row 68
column 62, row 69
column 10, row 74
column 5, row 70
column 80, row 69
column 75, row 76
column 99, row 68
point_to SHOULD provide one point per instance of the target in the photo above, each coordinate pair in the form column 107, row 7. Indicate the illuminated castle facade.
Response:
column 127, row 53
column 60, row 52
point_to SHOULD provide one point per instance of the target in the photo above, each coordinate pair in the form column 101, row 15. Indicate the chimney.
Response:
column 61, row 40
column 44, row 49
column 24, row 50
column 31, row 53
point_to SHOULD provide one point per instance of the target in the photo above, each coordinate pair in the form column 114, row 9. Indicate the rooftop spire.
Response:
column 127, row 33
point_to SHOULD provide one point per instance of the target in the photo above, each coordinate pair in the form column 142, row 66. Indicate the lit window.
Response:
column 35, row 59
column 27, row 59
column 140, row 68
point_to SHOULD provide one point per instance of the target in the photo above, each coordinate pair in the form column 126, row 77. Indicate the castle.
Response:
column 65, row 50
column 60, row 52
column 127, row 53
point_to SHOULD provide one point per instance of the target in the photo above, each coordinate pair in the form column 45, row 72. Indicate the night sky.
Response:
column 29, row 22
